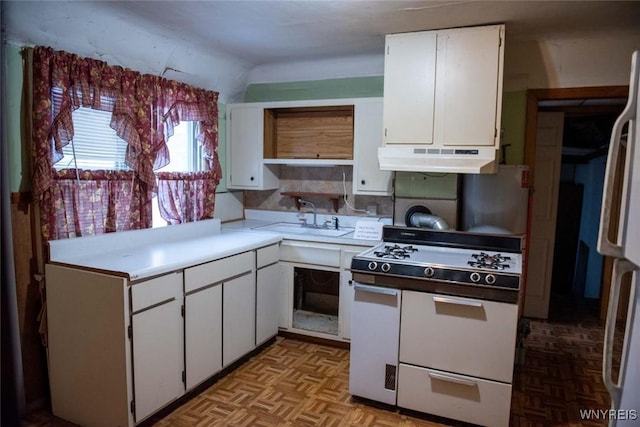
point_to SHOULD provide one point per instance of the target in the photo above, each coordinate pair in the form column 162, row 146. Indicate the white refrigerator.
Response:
column 625, row 247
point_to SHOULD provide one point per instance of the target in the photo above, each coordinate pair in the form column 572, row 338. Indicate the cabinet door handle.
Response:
column 452, row 379
column 465, row 302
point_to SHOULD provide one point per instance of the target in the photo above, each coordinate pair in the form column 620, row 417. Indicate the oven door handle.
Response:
column 375, row 289
column 468, row 303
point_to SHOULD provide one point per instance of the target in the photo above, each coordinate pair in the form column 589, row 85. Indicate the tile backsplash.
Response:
column 317, row 180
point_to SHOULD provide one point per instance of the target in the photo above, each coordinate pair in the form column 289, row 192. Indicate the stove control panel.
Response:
column 437, row 273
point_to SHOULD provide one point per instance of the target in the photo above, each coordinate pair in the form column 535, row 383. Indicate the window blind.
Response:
column 95, row 145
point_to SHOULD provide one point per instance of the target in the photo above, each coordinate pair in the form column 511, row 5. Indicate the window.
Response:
column 186, row 154
column 95, row 145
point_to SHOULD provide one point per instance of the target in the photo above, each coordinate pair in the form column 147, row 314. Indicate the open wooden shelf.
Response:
column 334, row 197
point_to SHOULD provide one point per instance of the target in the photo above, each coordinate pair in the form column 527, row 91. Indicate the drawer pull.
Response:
column 468, row 303
column 452, row 379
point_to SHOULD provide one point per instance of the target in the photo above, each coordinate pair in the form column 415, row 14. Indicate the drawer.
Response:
column 310, row 253
column 268, row 255
column 218, row 271
column 154, row 291
column 454, row 396
column 453, row 334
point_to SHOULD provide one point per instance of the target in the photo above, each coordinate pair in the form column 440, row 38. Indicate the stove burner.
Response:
column 396, row 252
column 494, row 262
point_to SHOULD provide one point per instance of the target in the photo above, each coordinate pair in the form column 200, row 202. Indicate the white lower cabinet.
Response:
column 203, row 334
column 455, row 396
column 119, row 351
column 268, row 285
column 238, row 317
column 346, row 290
column 157, row 343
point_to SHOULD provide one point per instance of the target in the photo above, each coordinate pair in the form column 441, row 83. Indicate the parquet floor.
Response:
column 295, row 383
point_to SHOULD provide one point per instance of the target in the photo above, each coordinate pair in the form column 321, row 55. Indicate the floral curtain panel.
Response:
column 186, row 197
column 144, row 109
column 82, row 203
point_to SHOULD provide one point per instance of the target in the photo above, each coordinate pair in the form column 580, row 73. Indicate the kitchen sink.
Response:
column 292, row 228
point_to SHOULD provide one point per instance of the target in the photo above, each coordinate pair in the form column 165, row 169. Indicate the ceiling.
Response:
column 161, row 36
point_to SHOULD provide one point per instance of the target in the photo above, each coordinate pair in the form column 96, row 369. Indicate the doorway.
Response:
column 589, row 114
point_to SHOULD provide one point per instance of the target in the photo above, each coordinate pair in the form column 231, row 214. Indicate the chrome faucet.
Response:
column 315, row 212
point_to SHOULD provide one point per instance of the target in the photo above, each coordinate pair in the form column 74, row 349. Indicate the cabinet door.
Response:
column 239, row 317
column 158, row 341
column 285, row 296
column 245, row 146
column 367, row 138
column 469, row 86
column 346, row 292
column 409, row 85
column 245, row 137
column 203, row 334
column 268, row 286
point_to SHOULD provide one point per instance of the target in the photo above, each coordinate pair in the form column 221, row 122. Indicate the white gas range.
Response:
column 456, row 263
column 424, row 301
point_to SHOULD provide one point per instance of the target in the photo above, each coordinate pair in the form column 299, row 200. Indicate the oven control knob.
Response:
column 429, row 272
column 385, row 267
column 490, row 279
column 373, row 265
column 475, row 277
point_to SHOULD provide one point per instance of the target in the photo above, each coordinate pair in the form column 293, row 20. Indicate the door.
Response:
column 157, row 357
column 239, row 317
column 543, row 218
column 367, row 137
column 468, row 86
column 267, row 302
column 245, row 146
column 203, row 334
column 346, row 292
column 409, row 88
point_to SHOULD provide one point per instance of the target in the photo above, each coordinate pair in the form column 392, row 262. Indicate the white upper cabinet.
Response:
column 444, row 88
column 368, row 179
column 469, row 86
column 245, row 134
column 409, row 87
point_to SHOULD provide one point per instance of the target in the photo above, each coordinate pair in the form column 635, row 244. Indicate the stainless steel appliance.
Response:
column 625, row 247
column 496, row 203
column 478, row 267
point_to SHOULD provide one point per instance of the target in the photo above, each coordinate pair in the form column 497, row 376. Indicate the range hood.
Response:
column 419, row 158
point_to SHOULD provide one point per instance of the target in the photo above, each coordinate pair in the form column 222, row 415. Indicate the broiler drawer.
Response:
column 459, row 397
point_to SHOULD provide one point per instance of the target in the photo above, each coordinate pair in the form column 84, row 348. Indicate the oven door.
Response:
column 375, row 335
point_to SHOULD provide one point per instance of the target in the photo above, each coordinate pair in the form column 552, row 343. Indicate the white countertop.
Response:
column 141, row 254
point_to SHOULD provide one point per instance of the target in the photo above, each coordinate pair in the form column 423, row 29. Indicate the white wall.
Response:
column 600, row 60
column 570, row 62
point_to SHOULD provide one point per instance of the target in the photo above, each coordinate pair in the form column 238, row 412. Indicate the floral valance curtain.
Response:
column 82, row 203
column 144, row 109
